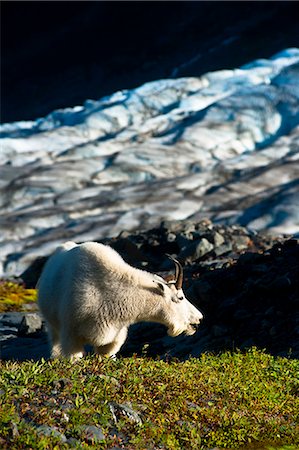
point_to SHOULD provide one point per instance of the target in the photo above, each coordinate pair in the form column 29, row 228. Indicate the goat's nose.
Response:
column 199, row 317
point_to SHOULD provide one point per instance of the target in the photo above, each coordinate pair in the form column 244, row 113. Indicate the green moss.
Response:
column 13, row 296
column 226, row 401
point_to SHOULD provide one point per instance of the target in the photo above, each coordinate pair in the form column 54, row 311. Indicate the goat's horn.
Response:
column 178, row 273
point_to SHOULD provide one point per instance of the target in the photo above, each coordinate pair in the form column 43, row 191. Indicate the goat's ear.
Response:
column 170, row 279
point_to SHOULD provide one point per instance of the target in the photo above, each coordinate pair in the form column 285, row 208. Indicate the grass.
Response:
column 232, row 400
column 15, row 297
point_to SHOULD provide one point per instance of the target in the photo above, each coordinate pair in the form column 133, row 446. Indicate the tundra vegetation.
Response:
column 230, row 400
column 15, row 296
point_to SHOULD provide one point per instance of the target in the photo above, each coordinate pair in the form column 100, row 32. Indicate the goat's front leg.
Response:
column 110, row 350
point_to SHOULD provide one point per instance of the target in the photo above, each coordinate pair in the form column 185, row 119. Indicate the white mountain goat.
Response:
column 89, row 295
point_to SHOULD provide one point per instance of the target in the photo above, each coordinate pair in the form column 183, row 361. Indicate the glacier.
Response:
column 222, row 146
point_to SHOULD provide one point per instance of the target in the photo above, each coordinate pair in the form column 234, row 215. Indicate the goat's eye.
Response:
column 161, row 286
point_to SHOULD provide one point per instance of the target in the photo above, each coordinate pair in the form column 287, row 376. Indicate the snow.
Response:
column 223, row 146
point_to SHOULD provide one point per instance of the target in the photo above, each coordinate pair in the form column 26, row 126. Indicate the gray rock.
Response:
column 129, row 250
column 224, row 248
column 241, row 242
column 12, row 319
column 73, row 442
column 7, row 333
column 203, row 248
column 126, row 410
column 31, row 323
column 218, row 239
column 92, row 433
column 51, row 431
column 33, row 272
column 195, row 250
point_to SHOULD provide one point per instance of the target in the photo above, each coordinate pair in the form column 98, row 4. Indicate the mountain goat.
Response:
column 88, row 294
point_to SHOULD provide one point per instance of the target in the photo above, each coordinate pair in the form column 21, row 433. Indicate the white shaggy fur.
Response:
column 89, row 295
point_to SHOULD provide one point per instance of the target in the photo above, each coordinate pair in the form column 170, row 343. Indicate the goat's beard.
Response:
column 190, row 330
column 174, row 332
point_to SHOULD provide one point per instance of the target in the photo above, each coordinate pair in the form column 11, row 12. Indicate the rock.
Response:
column 129, row 250
column 218, row 239
column 240, row 242
column 31, row 275
column 92, row 434
column 126, row 410
column 12, row 319
column 72, row 442
column 51, row 431
column 203, row 248
column 196, row 250
column 31, row 323
column 223, row 249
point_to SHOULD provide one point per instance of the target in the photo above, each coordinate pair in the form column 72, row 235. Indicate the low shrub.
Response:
column 14, row 296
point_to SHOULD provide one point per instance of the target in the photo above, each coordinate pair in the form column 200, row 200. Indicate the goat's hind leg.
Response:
column 71, row 347
column 54, row 340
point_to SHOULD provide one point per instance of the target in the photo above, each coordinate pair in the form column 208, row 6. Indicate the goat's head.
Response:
column 179, row 315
